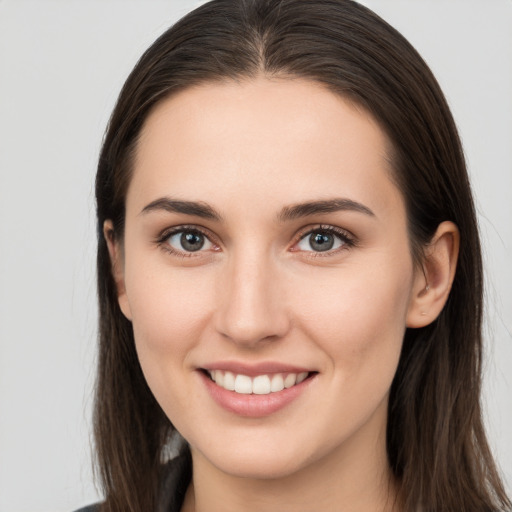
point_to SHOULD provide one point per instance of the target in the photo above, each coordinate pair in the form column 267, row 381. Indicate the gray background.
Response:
column 62, row 64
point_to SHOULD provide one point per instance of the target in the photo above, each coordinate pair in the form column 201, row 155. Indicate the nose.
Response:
column 251, row 303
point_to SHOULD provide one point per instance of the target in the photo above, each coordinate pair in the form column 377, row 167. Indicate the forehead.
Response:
column 282, row 140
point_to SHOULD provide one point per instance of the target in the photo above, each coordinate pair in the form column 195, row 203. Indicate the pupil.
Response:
column 192, row 241
column 321, row 241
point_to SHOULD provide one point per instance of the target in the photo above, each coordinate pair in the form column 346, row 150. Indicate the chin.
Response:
column 259, row 460
column 262, row 468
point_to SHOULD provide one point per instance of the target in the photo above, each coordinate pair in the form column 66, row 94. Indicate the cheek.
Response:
column 169, row 311
column 358, row 317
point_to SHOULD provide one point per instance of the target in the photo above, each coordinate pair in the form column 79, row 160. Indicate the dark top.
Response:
column 177, row 476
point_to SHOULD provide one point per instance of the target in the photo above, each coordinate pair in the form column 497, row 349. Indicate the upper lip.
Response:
column 254, row 369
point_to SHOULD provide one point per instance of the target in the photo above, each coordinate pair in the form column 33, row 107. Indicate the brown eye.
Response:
column 189, row 241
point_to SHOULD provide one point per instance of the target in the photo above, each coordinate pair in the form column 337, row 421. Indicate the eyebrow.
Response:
column 293, row 212
column 320, row 207
column 196, row 208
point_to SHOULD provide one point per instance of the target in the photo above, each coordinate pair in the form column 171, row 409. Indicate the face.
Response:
column 266, row 250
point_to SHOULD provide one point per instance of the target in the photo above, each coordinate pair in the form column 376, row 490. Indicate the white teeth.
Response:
column 290, row 380
column 229, row 381
column 301, row 377
column 219, row 377
column 259, row 385
column 243, row 384
column 277, row 383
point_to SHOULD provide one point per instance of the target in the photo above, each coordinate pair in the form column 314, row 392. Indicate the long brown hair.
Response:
column 435, row 438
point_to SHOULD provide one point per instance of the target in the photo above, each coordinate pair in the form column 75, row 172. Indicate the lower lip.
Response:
column 254, row 406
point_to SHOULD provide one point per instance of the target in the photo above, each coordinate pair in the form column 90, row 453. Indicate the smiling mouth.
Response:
column 260, row 385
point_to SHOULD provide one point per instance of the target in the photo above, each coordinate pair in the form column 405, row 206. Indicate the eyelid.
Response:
column 163, row 237
column 348, row 239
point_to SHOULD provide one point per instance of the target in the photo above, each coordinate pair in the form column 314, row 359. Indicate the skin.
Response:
column 257, row 291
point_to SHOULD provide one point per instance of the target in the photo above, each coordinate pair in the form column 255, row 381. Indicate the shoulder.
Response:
column 90, row 508
column 176, row 478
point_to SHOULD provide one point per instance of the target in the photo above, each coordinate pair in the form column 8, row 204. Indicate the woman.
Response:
column 289, row 273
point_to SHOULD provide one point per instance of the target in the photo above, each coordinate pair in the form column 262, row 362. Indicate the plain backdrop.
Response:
column 62, row 64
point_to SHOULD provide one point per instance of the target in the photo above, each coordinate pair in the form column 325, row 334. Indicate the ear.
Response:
column 433, row 282
column 117, row 265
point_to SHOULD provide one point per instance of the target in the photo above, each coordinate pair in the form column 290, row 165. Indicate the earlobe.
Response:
column 433, row 282
column 117, row 267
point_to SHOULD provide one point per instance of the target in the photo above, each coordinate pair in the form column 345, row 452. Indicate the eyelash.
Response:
column 162, row 240
column 347, row 239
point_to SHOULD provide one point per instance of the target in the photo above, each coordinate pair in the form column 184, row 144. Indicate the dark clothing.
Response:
column 177, row 476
